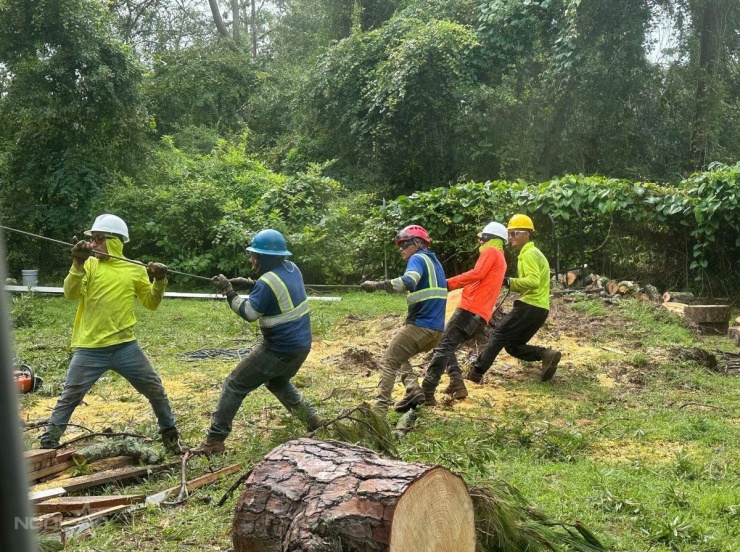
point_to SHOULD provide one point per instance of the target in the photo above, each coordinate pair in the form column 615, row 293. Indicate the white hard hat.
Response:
column 110, row 224
column 495, row 229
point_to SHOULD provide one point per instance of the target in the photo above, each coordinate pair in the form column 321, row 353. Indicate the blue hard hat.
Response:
column 269, row 242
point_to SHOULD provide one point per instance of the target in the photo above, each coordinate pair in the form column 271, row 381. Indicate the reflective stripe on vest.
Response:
column 288, row 313
column 433, row 291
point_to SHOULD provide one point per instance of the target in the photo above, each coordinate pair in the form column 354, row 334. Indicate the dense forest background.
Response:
column 201, row 122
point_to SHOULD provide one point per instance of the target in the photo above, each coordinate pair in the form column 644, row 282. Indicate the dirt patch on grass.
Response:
column 355, row 350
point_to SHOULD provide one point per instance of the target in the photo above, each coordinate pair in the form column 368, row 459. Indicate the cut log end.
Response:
column 322, row 496
column 434, row 514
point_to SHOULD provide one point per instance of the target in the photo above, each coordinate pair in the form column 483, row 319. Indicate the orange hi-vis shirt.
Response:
column 482, row 284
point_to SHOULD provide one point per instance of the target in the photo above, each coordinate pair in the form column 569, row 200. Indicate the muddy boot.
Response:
column 428, row 390
column 171, row 441
column 550, row 360
column 414, row 397
column 315, row 422
column 456, row 389
column 211, row 447
column 475, row 377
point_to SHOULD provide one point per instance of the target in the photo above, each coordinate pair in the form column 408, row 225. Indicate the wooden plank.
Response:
column 65, row 454
column 38, row 496
column 96, row 515
column 47, row 521
column 51, row 470
column 119, row 474
column 39, row 458
column 86, row 504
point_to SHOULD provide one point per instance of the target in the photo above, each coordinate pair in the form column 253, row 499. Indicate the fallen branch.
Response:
column 183, row 494
column 230, row 491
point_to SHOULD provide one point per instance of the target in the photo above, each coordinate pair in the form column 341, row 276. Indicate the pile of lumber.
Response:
column 57, row 501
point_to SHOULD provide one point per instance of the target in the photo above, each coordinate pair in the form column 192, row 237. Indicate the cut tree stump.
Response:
column 322, row 496
column 711, row 319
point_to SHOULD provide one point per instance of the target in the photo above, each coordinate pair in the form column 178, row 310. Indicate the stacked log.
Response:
column 321, row 496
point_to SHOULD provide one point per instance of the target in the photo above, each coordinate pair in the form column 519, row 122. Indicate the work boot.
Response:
column 474, row 376
column 429, row 399
column 550, row 360
column 315, row 422
column 414, row 397
column 456, row 389
column 211, row 447
column 171, row 441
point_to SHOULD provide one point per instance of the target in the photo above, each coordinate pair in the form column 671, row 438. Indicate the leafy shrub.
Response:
column 624, row 229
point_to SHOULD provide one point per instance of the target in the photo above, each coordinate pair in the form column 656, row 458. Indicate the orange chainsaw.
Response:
column 26, row 381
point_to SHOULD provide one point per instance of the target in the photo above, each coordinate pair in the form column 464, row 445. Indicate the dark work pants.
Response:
column 512, row 333
column 260, row 367
column 462, row 326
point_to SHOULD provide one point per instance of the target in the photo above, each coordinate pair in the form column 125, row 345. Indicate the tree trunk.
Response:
column 235, row 19
column 709, row 46
column 321, row 496
column 253, row 25
column 220, row 25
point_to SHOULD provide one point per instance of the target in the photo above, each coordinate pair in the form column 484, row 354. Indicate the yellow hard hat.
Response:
column 521, row 222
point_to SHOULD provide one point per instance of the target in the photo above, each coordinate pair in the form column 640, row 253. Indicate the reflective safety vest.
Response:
column 433, row 291
column 288, row 311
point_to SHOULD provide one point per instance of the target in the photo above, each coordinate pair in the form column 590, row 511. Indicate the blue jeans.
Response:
column 88, row 365
column 260, row 366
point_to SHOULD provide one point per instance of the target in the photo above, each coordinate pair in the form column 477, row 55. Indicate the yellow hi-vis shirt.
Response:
column 533, row 277
column 106, row 291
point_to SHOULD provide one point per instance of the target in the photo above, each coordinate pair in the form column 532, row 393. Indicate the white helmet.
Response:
column 495, row 229
column 110, row 224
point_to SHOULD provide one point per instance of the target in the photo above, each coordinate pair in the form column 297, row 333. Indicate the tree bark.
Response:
column 321, row 496
column 217, row 19
column 235, row 19
column 709, row 47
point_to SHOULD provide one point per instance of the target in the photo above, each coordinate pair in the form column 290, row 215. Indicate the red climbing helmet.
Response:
column 412, row 231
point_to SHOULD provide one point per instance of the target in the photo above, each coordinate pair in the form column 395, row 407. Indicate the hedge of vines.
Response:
column 683, row 237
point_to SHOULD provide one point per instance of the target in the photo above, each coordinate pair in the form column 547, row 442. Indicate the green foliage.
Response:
column 204, row 85
column 624, row 229
column 196, row 212
column 386, row 104
column 24, row 312
column 71, row 116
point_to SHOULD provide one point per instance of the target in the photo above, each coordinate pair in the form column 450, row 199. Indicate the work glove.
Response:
column 158, row 270
column 506, row 281
column 222, row 284
column 242, row 283
column 81, row 250
column 371, row 286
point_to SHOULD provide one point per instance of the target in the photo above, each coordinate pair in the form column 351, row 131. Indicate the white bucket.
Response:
column 30, row 277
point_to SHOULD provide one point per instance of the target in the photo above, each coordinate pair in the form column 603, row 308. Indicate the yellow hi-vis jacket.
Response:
column 533, row 277
column 106, row 291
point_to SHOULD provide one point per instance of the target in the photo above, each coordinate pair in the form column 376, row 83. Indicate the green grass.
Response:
column 650, row 462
